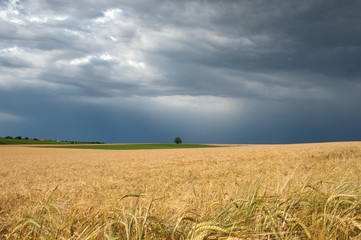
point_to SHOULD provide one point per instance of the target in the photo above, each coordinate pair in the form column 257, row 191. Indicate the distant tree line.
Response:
column 18, row 137
column 63, row 141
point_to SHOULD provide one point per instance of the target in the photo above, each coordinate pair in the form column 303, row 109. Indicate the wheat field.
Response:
column 301, row 191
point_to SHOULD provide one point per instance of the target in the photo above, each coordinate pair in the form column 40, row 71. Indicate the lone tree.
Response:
column 177, row 140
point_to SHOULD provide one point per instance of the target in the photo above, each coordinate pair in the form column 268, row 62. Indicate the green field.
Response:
column 135, row 146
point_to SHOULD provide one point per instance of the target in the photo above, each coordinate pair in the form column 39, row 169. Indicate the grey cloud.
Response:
column 14, row 62
column 286, row 36
column 282, row 68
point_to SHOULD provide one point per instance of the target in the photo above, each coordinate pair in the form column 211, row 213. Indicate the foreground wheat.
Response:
column 309, row 191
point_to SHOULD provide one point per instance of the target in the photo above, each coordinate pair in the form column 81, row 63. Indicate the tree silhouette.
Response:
column 177, row 140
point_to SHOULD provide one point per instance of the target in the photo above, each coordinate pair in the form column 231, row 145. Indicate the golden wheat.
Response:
column 303, row 191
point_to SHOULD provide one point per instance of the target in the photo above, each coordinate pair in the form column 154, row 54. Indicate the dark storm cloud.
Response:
column 321, row 37
column 212, row 71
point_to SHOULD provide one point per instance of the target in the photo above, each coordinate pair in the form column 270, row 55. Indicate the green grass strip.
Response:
column 135, row 146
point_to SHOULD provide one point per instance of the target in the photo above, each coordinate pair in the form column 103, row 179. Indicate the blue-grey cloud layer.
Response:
column 209, row 71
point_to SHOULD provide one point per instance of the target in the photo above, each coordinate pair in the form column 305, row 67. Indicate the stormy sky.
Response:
column 207, row 71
